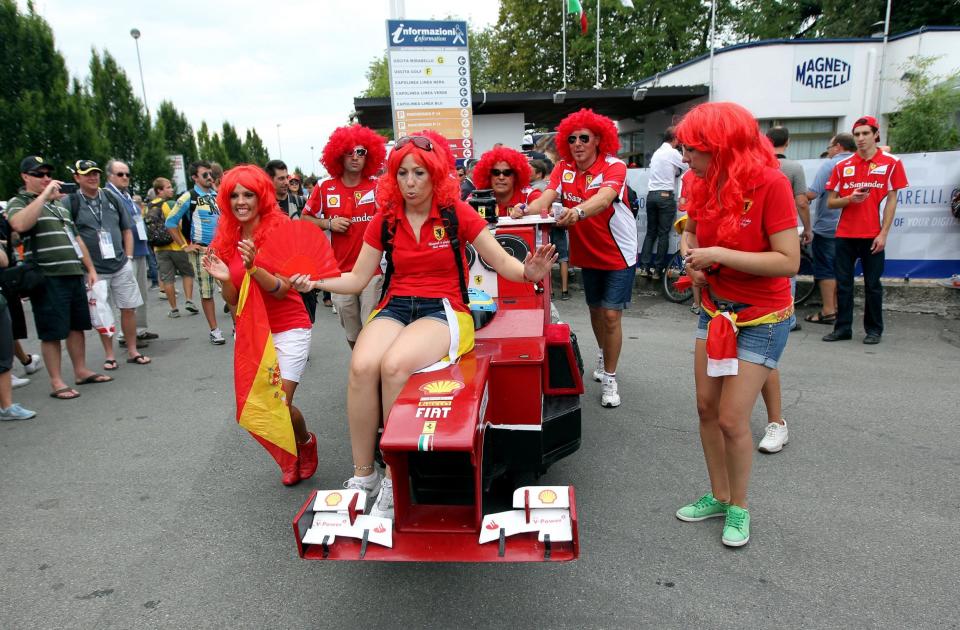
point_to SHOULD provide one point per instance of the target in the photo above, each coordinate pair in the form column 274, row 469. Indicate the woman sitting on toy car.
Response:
column 422, row 319
column 507, row 172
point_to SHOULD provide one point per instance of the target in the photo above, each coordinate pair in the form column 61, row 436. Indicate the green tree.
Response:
column 255, row 150
column 233, row 146
column 178, row 134
column 151, row 161
column 378, row 78
column 927, row 120
column 118, row 113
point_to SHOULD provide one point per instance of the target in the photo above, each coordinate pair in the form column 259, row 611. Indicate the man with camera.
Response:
column 58, row 296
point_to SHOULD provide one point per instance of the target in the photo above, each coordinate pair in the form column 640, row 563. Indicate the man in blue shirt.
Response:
column 841, row 147
column 199, row 206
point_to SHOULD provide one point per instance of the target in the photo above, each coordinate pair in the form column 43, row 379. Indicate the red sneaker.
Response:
column 308, row 457
column 291, row 474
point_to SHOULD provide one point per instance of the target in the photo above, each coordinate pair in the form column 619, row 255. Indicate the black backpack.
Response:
column 633, row 201
column 157, row 234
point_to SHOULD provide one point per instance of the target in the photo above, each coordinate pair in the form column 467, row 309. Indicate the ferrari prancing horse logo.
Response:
column 439, row 232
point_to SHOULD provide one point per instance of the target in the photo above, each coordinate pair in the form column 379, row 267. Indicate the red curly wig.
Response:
column 739, row 153
column 439, row 162
column 516, row 160
column 228, row 233
column 344, row 139
column 601, row 126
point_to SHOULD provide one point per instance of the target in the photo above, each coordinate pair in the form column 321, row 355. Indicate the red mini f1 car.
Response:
column 466, row 443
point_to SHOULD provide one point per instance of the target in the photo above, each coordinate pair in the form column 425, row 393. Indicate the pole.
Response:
column 313, row 164
column 135, row 34
column 279, row 147
column 564, row 3
column 883, row 59
column 596, row 85
column 713, row 25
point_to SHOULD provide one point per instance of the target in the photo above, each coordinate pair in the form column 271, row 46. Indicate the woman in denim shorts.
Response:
column 741, row 248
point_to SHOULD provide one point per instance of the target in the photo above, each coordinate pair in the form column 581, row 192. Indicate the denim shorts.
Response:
column 761, row 344
column 609, row 289
column 824, row 253
column 405, row 310
column 558, row 236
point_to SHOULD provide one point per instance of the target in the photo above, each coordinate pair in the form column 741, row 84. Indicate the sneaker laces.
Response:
column 772, row 429
column 735, row 518
column 705, row 501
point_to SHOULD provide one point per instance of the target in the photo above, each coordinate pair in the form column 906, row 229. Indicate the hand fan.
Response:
column 300, row 247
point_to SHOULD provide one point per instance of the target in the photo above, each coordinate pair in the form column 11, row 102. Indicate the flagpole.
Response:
column 564, row 3
column 883, row 60
column 713, row 21
column 596, row 85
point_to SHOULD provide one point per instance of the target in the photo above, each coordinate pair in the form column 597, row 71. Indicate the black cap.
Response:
column 34, row 163
column 82, row 167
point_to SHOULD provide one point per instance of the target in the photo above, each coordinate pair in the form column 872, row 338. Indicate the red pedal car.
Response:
column 465, row 443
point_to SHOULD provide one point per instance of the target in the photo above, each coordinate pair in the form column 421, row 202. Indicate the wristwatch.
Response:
column 581, row 215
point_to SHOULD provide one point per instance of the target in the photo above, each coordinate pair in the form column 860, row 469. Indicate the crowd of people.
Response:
column 394, row 222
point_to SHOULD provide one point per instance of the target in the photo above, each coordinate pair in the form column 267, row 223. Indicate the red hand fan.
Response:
column 683, row 283
column 300, row 247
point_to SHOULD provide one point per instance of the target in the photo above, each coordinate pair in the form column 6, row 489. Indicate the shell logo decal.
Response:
column 333, row 201
column 334, row 498
column 547, row 496
column 441, row 387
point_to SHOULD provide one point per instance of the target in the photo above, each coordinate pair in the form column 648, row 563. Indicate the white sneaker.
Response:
column 609, row 397
column 370, row 486
column 216, row 337
column 333, row 309
column 16, row 381
column 598, row 372
column 774, row 438
column 35, row 364
column 383, row 506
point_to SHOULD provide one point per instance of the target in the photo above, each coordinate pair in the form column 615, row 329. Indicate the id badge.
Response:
column 141, row 228
column 106, row 246
column 73, row 241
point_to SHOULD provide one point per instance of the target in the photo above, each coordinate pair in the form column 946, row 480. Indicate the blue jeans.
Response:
column 661, row 210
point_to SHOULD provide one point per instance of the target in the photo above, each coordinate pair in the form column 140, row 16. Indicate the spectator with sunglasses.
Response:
column 591, row 182
column 295, row 188
column 507, row 172
column 344, row 205
column 422, row 321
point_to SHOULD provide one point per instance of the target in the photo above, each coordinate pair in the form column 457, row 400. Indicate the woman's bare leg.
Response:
column 736, row 404
column 709, row 389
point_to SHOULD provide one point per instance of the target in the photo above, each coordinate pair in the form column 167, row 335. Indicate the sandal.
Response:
column 139, row 360
column 821, row 318
column 94, row 379
column 110, row 364
column 59, row 393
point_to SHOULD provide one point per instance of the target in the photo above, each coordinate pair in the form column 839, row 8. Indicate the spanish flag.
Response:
column 261, row 405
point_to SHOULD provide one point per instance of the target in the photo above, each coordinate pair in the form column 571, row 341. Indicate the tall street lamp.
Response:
column 313, row 167
column 279, row 146
column 135, row 34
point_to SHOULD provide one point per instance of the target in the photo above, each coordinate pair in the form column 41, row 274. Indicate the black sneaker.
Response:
column 565, row 296
column 835, row 336
column 871, row 340
column 147, row 335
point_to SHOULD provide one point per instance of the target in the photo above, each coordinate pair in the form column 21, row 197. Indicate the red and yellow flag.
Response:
column 261, row 404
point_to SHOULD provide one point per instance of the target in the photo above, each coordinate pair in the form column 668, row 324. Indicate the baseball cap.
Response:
column 34, row 163
column 82, row 167
column 866, row 120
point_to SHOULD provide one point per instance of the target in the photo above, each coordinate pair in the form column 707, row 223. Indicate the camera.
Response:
column 68, row 187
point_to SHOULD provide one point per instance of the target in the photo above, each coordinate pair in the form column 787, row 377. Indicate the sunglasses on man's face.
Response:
column 358, row 152
column 496, row 172
column 420, row 142
column 584, row 138
column 121, row 174
column 39, row 174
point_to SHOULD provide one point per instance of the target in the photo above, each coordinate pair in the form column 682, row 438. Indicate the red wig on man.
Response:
column 344, row 139
column 228, row 234
column 516, row 160
column 439, row 162
column 601, row 126
column 730, row 134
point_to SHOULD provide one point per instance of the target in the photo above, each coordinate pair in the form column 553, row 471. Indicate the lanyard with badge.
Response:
column 67, row 229
column 103, row 236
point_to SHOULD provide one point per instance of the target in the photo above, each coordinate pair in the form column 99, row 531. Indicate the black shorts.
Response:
column 18, row 321
column 6, row 341
column 60, row 306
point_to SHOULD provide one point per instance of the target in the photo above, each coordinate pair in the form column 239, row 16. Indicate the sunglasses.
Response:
column 420, row 142
column 584, row 138
column 358, row 152
column 121, row 174
column 39, row 174
column 496, row 172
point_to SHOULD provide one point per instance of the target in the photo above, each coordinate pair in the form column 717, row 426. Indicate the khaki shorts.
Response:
column 203, row 278
column 124, row 290
column 354, row 310
column 171, row 262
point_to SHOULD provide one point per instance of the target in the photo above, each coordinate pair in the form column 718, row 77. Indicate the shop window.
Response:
column 631, row 148
column 809, row 137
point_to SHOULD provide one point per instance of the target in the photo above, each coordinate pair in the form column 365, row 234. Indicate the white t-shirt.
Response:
column 666, row 165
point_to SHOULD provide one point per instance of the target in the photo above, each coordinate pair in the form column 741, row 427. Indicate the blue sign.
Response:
column 822, row 73
column 421, row 33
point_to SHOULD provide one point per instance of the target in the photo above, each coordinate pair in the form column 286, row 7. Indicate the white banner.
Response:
column 925, row 239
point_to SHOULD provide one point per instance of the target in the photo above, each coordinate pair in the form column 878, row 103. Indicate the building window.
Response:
column 631, row 148
column 809, row 137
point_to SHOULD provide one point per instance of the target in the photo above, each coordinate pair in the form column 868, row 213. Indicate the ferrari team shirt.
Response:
column 607, row 240
column 879, row 175
column 332, row 198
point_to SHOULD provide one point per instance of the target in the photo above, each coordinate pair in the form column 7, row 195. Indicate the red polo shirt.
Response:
column 423, row 266
column 770, row 207
column 607, row 240
column 525, row 195
column 880, row 174
column 332, row 198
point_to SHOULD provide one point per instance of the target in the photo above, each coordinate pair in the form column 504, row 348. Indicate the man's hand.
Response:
column 52, row 191
column 568, row 217
column 860, row 195
column 339, row 224
column 879, row 243
column 807, row 237
column 91, row 278
column 191, row 247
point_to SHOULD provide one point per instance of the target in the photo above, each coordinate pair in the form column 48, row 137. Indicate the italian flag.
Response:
column 574, row 6
column 261, row 405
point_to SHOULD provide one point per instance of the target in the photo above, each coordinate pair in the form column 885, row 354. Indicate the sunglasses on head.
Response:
column 496, row 172
column 39, row 174
column 358, row 152
column 584, row 138
column 421, row 142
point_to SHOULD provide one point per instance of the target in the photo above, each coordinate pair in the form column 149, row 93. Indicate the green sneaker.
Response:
column 706, row 507
column 736, row 529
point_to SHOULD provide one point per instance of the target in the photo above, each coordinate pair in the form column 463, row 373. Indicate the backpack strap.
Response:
column 451, row 225
column 387, row 241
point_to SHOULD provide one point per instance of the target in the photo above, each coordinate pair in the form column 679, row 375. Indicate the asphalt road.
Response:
column 143, row 505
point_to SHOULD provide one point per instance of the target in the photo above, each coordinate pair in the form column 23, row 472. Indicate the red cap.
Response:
column 866, row 120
